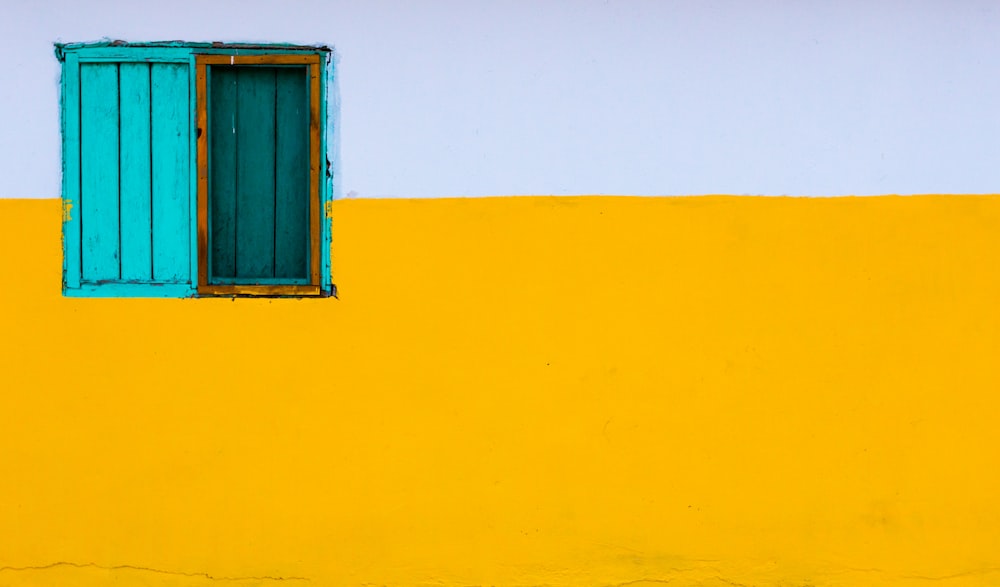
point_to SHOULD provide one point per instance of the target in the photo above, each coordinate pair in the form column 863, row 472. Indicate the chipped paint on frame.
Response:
column 73, row 54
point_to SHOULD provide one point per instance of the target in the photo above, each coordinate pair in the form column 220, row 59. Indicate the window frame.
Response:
column 323, row 132
column 202, row 63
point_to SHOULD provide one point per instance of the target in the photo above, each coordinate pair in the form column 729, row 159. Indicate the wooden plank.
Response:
column 196, row 113
column 132, row 54
column 329, row 102
column 201, row 185
column 261, row 281
column 268, row 59
column 260, row 290
column 135, row 175
column 291, row 214
column 71, row 172
column 99, row 172
column 222, row 172
column 252, row 175
column 170, row 162
column 133, row 290
column 315, row 171
column 255, row 157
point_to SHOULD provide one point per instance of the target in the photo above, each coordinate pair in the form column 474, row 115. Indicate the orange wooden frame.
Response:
column 202, row 62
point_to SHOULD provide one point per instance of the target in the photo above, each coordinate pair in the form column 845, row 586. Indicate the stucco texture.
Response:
column 523, row 391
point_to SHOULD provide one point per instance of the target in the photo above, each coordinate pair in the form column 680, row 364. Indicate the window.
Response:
column 194, row 170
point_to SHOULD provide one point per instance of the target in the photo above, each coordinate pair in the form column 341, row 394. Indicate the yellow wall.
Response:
column 524, row 391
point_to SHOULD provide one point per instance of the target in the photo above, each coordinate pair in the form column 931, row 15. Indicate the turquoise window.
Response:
column 195, row 169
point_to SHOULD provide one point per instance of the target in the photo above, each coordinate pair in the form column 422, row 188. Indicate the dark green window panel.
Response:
column 258, row 120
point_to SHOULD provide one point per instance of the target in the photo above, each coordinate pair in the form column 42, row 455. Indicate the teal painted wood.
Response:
column 175, row 51
column 222, row 171
column 291, row 210
column 330, row 178
column 88, row 52
column 192, row 160
column 171, row 170
column 255, row 156
column 99, row 171
column 116, row 55
column 71, row 172
column 132, row 290
column 262, row 280
column 94, row 173
column 135, row 173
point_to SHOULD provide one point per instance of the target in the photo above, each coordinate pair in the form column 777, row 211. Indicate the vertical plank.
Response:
column 314, row 173
column 329, row 172
column 222, row 120
column 135, row 173
column 198, row 188
column 255, row 172
column 170, row 180
column 71, row 171
column 291, row 213
column 99, row 171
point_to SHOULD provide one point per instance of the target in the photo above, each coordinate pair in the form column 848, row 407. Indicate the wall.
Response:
column 641, row 97
column 523, row 391
column 541, row 391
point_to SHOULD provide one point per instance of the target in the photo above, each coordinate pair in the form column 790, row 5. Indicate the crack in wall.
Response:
column 202, row 575
column 637, row 581
column 918, row 577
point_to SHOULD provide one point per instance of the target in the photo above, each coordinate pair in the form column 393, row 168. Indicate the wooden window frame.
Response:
column 313, row 62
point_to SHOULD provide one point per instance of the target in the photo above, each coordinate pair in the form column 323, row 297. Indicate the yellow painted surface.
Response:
column 524, row 391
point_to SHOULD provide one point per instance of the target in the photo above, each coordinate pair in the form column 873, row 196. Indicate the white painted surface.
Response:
column 454, row 98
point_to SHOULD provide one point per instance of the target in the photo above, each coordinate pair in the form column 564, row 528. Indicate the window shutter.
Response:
column 259, row 174
column 194, row 169
column 134, row 173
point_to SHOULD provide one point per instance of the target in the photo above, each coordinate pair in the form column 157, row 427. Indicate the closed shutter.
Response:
column 259, row 192
column 134, row 173
column 194, row 169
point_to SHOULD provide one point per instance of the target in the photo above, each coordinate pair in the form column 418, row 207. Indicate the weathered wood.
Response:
column 329, row 153
column 255, row 161
column 221, row 163
column 216, row 280
column 71, row 172
column 315, row 171
column 260, row 290
column 129, row 194
column 99, row 204
column 202, row 183
column 258, row 196
column 267, row 59
column 130, row 54
column 292, row 194
column 195, row 171
column 132, row 290
column 171, row 172
column 135, row 175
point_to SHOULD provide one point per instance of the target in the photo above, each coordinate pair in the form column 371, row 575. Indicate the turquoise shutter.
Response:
column 133, row 190
column 258, row 175
column 152, row 208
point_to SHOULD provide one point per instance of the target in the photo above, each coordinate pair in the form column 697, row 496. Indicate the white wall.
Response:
column 451, row 98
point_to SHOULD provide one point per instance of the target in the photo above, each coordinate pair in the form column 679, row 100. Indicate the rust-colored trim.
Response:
column 259, row 290
column 315, row 234
column 314, row 171
column 259, row 59
column 201, row 79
